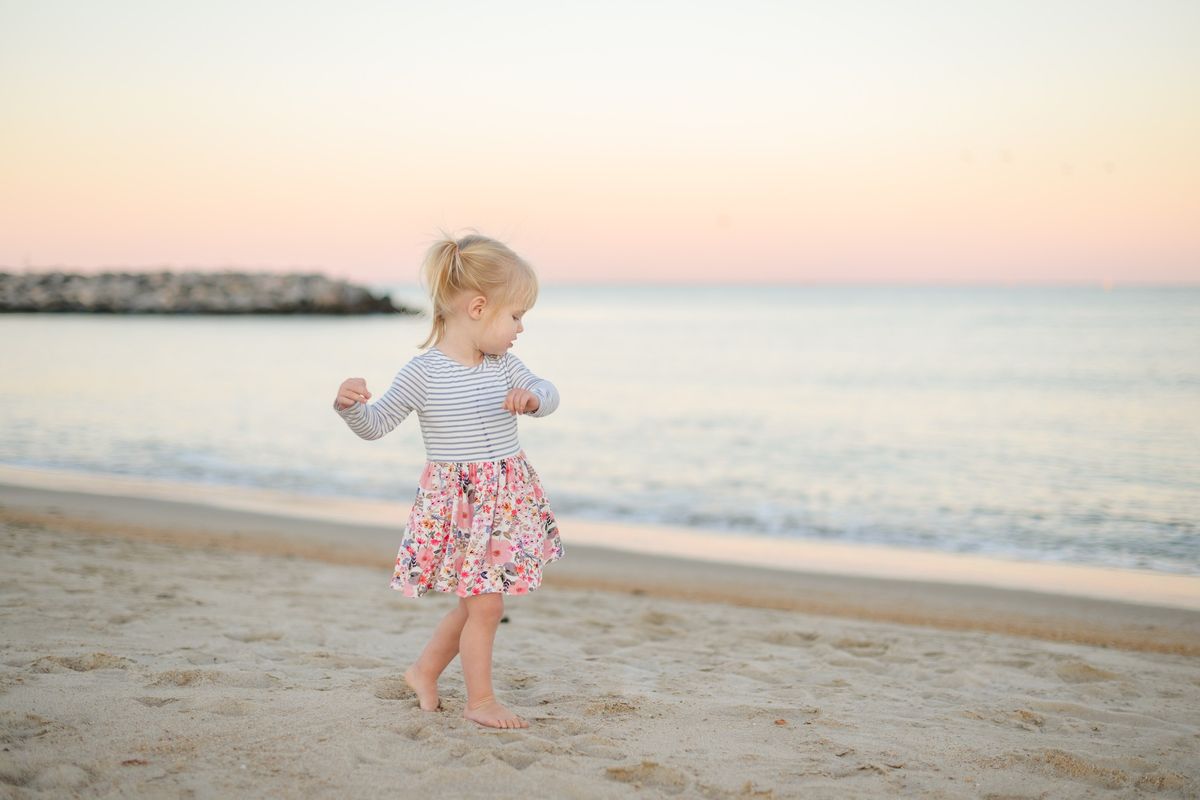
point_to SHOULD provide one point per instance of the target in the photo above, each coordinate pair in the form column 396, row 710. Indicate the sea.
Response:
column 1043, row 423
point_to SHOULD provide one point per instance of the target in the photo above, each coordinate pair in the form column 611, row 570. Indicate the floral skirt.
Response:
column 477, row 527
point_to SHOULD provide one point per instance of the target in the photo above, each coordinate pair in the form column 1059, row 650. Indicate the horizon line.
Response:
column 1103, row 283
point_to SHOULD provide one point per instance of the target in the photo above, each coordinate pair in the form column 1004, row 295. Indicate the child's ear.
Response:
column 476, row 306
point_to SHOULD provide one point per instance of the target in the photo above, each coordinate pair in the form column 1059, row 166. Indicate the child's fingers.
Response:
column 510, row 401
column 355, row 388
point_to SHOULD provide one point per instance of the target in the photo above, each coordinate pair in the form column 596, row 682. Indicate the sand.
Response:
column 156, row 648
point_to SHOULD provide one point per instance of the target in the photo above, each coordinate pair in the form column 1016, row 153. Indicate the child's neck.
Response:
column 461, row 350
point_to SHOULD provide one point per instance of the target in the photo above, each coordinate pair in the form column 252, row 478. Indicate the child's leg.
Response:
column 483, row 617
column 442, row 648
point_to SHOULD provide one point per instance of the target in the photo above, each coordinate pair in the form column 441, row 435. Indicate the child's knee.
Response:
column 489, row 606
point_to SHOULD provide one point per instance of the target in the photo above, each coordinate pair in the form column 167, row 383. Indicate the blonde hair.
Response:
column 475, row 263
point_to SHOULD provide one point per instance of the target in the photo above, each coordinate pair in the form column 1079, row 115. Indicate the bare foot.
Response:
column 487, row 711
column 425, row 687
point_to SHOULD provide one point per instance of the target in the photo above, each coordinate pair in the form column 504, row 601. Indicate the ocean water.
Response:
column 1050, row 424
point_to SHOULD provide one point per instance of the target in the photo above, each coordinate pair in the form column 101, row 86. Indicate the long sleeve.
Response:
column 407, row 393
column 519, row 377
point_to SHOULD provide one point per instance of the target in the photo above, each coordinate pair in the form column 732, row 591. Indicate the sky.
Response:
column 777, row 142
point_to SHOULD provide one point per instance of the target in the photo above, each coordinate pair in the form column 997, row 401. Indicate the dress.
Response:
column 481, row 521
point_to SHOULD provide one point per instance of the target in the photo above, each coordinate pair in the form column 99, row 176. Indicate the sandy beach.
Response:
column 154, row 648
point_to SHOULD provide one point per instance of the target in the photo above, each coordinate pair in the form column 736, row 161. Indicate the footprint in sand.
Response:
column 85, row 663
column 1021, row 718
column 201, row 677
column 228, row 707
column 651, row 774
column 56, row 779
column 16, row 728
column 1029, row 720
column 594, row 746
column 562, row 727
column 861, row 647
column 658, row 625
column 416, row 732
column 515, row 758
column 661, row 618
column 791, row 638
column 610, row 706
column 1082, row 672
column 522, row 681
column 1071, row 766
column 337, row 661
column 393, row 689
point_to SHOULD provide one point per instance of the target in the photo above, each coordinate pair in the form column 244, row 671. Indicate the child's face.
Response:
column 502, row 331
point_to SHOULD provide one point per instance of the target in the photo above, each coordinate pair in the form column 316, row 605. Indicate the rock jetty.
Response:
column 191, row 292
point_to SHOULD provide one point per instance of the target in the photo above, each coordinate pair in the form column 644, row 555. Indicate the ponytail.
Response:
column 475, row 263
column 442, row 272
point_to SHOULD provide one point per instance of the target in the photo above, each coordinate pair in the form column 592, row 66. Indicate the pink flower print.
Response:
column 425, row 557
column 473, row 472
column 500, row 550
column 518, row 587
column 427, row 476
column 537, row 491
column 464, row 513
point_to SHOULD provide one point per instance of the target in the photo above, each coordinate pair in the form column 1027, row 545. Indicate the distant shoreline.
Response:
column 191, row 292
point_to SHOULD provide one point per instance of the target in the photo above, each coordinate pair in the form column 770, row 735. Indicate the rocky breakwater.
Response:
column 190, row 292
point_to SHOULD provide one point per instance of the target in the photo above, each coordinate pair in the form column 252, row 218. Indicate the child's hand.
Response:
column 521, row 401
column 351, row 391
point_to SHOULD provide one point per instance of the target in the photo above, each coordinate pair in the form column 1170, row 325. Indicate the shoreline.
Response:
column 909, row 592
column 794, row 555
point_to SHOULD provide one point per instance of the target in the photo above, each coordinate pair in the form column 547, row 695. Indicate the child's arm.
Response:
column 519, row 377
column 406, row 394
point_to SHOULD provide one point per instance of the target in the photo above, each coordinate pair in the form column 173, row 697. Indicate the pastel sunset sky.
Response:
column 947, row 142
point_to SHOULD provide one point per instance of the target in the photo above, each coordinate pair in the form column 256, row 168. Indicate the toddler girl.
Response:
column 481, row 525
